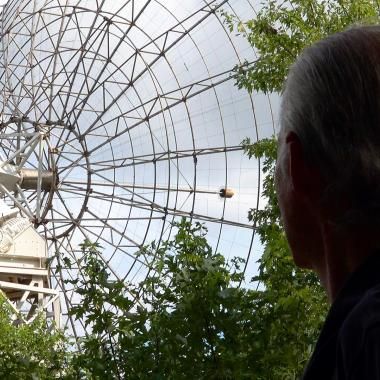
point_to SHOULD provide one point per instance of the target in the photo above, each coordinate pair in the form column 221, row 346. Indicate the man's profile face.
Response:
column 296, row 213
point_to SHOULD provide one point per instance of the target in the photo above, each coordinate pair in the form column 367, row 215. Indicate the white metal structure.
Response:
column 24, row 276
column 119, row 117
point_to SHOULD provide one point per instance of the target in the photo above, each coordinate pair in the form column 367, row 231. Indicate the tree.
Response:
column 282, row 29
column 190, row 319
column 187, row 319
column 292, row 303
column 30, row 351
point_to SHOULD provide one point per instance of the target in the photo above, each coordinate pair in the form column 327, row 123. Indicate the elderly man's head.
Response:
column 329, row 155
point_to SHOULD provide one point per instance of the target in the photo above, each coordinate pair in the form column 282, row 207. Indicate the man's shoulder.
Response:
column 360, row 329
column 364, row 315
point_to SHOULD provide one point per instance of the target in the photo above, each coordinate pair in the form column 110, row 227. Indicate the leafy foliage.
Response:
column 191, row 318
column 293, row 303
column 30, row 351
column 281, row 29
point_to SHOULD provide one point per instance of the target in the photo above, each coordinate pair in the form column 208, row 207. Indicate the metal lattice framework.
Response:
column 123, row 116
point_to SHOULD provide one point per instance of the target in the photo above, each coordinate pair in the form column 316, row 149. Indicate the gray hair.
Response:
column 331, row 100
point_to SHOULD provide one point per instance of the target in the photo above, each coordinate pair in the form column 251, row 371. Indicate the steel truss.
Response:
column 125, row 123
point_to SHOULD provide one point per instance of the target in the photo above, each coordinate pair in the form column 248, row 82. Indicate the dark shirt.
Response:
column 349, row 344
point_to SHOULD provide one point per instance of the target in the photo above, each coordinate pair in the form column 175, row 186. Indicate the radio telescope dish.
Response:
column 120, row 117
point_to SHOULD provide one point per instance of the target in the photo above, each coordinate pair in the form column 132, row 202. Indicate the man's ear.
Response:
column 306, row 179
